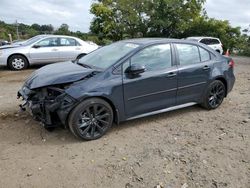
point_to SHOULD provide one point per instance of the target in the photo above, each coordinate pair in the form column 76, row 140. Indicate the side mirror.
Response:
column 36, row 46
column 135, row 69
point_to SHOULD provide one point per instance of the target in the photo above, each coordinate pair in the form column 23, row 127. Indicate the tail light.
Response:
column 231, row 63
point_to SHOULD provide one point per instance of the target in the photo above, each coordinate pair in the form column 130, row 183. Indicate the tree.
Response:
column 119, row 19
column 204, row 26
column 46, row 28
column 63, row 30
column 170, row 18
column 36, row 26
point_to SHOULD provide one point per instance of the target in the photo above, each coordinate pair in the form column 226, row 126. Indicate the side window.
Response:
column 205, row 56
column 68, row 42
column 48, row 42
column 155, row 57
column 188, row 54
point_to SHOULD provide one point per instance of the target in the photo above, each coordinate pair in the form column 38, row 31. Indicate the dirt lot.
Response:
column 191, row 147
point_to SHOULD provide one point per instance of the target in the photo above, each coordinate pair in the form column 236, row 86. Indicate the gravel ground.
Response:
column 190, row 147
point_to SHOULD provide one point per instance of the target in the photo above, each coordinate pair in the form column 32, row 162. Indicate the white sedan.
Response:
column 44, row 49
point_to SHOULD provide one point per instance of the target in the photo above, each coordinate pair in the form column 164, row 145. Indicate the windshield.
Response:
column 106, row 56
column 32, row 40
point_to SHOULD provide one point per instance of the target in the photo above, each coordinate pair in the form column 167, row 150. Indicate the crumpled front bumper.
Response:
column 51, row 113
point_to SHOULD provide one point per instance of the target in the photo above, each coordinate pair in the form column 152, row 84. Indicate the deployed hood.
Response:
column 58, row 73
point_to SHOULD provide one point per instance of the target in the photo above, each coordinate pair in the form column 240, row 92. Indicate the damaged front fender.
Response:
column 49, row 105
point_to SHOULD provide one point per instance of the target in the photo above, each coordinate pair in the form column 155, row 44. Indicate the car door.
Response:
column 69, row 49
column 194, row 69
column 45, row 50
column 155, row 88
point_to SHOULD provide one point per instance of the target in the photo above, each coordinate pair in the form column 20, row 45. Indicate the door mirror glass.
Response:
column 36, row 46
column 135, row 69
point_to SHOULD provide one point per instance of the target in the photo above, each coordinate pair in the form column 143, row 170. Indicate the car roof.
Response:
column 51, row 35
column 199, row 38
column 148, row 41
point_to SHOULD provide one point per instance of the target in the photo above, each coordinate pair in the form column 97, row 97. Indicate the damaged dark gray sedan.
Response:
column 127, row 80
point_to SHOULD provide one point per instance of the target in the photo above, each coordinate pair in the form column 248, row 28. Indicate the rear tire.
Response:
column 17, row 62
column 214, row 95
column 91, row 119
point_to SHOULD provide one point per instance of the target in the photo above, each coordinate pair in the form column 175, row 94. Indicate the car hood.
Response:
column 10, row 46
column 58, row 73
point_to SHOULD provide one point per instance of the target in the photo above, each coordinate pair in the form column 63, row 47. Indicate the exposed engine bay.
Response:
column 50, row 105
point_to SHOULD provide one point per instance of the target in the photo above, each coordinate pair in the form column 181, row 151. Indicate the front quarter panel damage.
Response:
column 50, row 105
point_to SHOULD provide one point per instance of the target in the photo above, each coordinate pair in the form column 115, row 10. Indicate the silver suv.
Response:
column 44, row 49
column 212, row 42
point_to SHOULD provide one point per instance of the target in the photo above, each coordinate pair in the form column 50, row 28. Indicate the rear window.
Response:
column 68, row 42
column 214, row 41
column 210, row 41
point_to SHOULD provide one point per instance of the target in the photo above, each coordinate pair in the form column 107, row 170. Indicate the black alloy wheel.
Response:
column 215, row 94
column 91, row 119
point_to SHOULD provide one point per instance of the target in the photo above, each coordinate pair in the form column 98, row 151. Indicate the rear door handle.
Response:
column 54, row 50
column 171, row 75
column 206, row 67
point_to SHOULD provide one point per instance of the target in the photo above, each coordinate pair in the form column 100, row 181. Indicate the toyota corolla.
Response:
column 127, row 80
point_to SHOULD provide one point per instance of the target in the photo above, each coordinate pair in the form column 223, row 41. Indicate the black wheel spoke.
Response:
column 92, row 133
column 84, row 124
column 88, row 112
column 94, row 121
column 102, row 116
column 99, row 128
column 100, row 111
column 220, row 93
column 95, row 110
column 86, row 130
column 103, row 122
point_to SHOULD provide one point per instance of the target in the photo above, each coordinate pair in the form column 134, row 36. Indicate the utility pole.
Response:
column 17, row 31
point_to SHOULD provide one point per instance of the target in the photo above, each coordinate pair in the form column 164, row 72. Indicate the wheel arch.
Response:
column 116, row 118
column 115, row 110
column 20, row 55
column 224, row 81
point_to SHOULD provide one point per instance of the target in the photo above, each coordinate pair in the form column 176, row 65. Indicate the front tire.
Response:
column 17, row 62
column 214, row 95
column 91, row 119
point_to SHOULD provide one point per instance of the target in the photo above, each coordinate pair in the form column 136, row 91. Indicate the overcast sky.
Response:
column 76, row 14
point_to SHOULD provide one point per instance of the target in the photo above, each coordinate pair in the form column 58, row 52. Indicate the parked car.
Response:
column 4, row 42
column 212, row 42
column 127, row 80
column 44, row 49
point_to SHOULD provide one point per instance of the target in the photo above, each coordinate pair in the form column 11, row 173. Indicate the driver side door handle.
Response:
column 54, row 50
column 206, row 68
column 171, row 75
